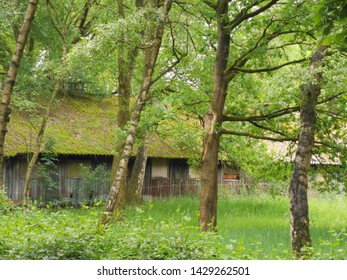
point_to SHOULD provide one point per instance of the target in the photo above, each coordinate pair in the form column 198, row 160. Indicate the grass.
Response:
column 248, row 228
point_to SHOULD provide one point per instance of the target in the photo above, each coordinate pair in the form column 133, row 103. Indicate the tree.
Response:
column 127, row 54
column 120, row 39
column 229, row 63
column 213, row 120
column 62, row 21
column 10, row 18
column 133, row 194
column 299, row 218
column 153, row 42
column 11, row 78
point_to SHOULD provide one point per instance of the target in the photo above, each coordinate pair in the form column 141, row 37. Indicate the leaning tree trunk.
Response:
column 126, row 65
column 299, row 217
column 133, row 194
column 124, row 89
column 38, row 145
column 213, row 122
column 141, row 101
column 11, row 78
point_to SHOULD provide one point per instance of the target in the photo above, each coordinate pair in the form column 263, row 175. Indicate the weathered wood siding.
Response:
column 71, row 187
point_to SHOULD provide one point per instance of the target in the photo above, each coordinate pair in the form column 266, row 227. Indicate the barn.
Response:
column 76, row 159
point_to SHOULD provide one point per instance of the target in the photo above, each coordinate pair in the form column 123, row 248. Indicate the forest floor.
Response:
column 249, row 227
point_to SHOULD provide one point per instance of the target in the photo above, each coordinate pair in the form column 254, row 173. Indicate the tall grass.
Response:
column 248, row 228
column 259, row 227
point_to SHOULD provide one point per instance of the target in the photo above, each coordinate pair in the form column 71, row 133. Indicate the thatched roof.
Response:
column 78, row 126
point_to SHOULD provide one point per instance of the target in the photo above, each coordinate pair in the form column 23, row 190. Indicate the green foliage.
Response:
column 48, row 181
column 94, row 59
column 178, row 101
column 5, row 204
column 250, row 228
column 47, row 171
column 94, row 181
column 169, row 239
column 330, row 19
column 333, row 248
column 48, row 235
column 70, row 234
column 257, row 161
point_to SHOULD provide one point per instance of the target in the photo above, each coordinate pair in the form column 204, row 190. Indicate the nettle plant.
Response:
column 5, row 203
column 95, row 182
column 48, row 173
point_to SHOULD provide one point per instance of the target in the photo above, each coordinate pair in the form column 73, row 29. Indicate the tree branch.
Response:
column 244, row 15
column 50, row 7
column 274, row 139
column 330, row 114
column 332, row 97
column 272, row 115
column 290, row 44
column 277, row 113
column 210, row 4
column 267, row 128
column 167, row 70
column 242, row 57
column 251, row 135
column 262, row 70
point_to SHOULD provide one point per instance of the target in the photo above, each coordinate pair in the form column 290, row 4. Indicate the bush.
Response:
column 166, row 230
column 5, row 202
column 71, row 235
column 165, row 242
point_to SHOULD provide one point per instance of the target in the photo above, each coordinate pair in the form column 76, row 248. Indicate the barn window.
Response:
column 23, row 166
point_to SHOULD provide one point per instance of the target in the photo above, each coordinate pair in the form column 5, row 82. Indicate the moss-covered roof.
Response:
column 78, row 126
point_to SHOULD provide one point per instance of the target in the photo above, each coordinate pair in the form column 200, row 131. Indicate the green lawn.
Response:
column 248, row 228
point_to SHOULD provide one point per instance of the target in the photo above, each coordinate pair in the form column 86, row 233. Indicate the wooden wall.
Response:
column 70, row 186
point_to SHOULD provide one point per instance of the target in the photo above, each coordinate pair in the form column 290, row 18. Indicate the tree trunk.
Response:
column 11, row 78
column 141, row 100
column 134, row 191
column 209, row 182
column 38, row 145
column 125, row 74
column 212, row 124
column 124, row 90
column 299, row 217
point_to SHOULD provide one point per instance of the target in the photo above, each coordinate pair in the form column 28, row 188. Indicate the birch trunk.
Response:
column 125, row 74
column 11, row 79
column 119, row 180
column 39, row 139
column 299, row 213
column 38, row 145
column 133, row 194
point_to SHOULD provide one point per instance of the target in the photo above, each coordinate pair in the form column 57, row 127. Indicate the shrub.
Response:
column 158, row 230
column 165, row 242
column 5, row 203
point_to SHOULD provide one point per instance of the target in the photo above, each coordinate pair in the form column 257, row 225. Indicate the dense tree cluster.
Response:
column 229, row 76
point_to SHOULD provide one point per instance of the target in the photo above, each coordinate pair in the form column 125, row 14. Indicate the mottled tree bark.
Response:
column 123, row 116
column 223, row 74
column 133, row 194
column 299, row 216
column 11, row 78
column 213, row 122
column 126, row 65
column 150, row 63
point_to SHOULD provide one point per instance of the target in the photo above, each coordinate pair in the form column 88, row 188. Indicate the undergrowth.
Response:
column 249, row 228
